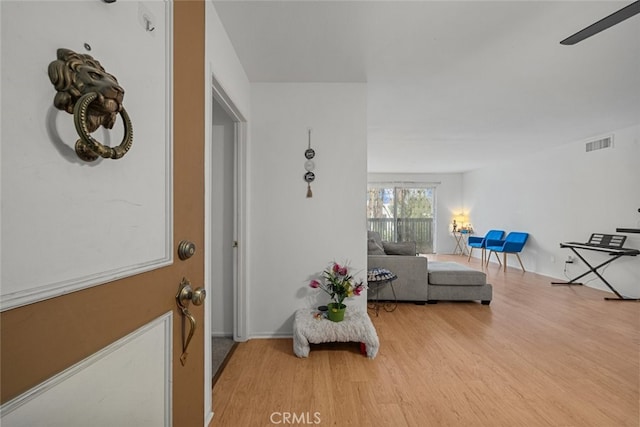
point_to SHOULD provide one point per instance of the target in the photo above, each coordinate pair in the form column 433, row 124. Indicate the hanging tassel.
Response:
column 309, row 193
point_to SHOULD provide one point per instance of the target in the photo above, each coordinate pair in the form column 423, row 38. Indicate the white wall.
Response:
column 293, row 237
column 564, row 194
column 448, row 201
column 224, row 63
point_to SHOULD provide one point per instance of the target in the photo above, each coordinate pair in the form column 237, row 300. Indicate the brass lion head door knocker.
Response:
column 94, row 97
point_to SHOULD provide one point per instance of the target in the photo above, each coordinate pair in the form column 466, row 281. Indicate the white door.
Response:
column 96, row 270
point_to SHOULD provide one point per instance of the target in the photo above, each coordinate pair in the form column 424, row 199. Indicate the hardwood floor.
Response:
column 539, row 355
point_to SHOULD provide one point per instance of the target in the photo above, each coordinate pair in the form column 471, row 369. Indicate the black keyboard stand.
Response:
column 614, row 256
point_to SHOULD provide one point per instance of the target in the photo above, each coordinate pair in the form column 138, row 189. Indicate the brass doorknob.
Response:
column 186, row 294
column 198, row 296
column 184, row 297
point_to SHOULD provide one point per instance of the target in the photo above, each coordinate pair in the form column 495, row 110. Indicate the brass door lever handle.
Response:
column 184, row 297
column 192, row 329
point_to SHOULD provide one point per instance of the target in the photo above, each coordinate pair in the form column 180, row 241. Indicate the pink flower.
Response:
column 336, row 267
column 314, row 284
column 358, row 289
column 342, row 271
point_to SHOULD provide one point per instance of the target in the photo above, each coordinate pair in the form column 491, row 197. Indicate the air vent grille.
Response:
column 599, row 144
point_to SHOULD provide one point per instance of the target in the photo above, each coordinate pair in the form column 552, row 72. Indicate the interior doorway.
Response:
column 221, row 257
column 225, row 229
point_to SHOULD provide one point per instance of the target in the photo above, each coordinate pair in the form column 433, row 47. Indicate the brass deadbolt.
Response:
column 186, row 249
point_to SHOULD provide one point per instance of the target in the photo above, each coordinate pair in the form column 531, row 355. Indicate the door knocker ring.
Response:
column 87, row 147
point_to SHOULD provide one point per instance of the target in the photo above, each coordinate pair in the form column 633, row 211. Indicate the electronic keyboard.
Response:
column 609, row 243
column 601, row 248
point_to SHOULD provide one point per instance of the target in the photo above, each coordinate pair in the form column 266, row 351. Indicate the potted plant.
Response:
column 339, row 284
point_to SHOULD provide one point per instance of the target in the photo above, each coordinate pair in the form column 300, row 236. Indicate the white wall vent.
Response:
column 600, row 144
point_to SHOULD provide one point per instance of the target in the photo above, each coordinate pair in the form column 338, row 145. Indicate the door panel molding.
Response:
column 117, row 218
column 52, row 290
column 127, row 382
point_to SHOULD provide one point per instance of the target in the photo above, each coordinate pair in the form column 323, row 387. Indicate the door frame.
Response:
column 216, row 93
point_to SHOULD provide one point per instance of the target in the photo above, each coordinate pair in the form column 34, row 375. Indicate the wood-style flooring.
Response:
column 539, row 355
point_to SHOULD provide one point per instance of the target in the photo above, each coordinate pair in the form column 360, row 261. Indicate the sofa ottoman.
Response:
column 450, row 281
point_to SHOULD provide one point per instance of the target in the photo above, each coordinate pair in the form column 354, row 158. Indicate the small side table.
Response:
column 461, row 243
column 377, row 278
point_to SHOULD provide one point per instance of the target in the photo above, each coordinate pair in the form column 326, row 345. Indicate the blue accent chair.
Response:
column 478, row 242
column 512, row 244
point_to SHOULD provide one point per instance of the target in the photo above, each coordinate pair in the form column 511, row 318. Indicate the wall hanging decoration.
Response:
column 309, row 166
column 94, row 97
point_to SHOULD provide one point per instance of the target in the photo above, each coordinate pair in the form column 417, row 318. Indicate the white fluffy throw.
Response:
column 308, row 327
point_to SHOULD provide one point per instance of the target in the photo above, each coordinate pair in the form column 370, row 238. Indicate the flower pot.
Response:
column 336, row 312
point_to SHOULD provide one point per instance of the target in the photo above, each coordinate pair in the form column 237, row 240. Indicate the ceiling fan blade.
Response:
column 611, row 20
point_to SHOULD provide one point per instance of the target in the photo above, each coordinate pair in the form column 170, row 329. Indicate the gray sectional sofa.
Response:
column 422, row 281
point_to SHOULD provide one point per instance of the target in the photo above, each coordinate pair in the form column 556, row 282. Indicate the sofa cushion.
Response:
column 399, row 248
column 373, row 248
column 411, row 284
column 452, row 273
column 374, row 243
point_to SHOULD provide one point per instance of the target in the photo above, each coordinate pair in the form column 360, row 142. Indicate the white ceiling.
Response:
column 452, row 85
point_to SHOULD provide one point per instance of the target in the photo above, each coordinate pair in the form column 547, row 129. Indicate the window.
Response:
column 402, row 213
